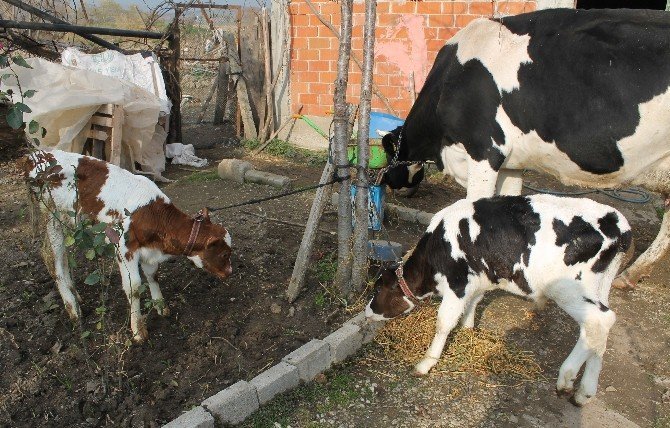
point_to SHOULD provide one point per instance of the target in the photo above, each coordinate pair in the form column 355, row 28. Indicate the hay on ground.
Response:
column 480, row 352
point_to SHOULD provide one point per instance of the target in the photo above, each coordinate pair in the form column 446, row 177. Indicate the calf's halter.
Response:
column 403, row 286
column 195, row 229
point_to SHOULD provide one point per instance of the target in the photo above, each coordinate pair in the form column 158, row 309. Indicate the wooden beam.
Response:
column 79, row 29
column 46, row 16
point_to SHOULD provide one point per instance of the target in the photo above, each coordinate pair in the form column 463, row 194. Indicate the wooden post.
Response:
column 221, row 92
column 265, row 124
column 359, row 272
column 173, row 87
column 340, row 141
column 308, row 237
column 241, row 85
column 115, row 140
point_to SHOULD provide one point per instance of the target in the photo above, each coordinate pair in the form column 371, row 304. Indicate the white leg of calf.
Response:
column 572, row 364
column 61, row 268
column 468, row 320
column 131, row 279
column 450, row 311
column 156, row 295
column 643, row 265
column 510, row 182
column 481, row 180
column 589, row 384
column 596, row 330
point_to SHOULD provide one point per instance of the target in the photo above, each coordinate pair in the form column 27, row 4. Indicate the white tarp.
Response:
column 183, row 154
column 66, row 98
column 144, row 71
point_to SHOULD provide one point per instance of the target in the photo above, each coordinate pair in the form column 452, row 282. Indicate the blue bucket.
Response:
column 375, row 206
column 383, row 122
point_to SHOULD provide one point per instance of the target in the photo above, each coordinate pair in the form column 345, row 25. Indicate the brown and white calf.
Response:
column 153, row 229
column 540, row 247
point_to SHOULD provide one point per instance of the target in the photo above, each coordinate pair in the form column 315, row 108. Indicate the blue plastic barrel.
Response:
column 383, row 122
column 375, row 206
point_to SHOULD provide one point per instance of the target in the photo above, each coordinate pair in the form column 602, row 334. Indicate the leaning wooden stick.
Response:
column 274, row 134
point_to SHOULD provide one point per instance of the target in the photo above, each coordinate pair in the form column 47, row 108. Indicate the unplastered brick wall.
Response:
column 408, row 36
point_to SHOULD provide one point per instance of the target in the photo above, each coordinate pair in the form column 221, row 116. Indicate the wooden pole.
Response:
column 340, row 141
column 173, row 87
column 274, row 134
column 304, row 253
column 266, row 125
column 221, row 92
column 359, row 272
column 80, row 30
column 48, row 17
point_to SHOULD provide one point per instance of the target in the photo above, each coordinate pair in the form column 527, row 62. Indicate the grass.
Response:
column 202, row 176
column 326, row 268
column 284, row 149
column 339, row 390
column 659, row 212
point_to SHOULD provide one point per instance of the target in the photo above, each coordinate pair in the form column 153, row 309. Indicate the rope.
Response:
column 280, row 195
column 640, row 196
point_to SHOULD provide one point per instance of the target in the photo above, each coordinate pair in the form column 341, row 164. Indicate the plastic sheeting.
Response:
column 142, row 70
column 66, row 98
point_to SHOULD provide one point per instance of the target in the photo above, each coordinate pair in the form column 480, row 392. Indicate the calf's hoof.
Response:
column 140, row 333
column 565, row 392
column 424, row 366
column 73, row 312
column 579, row 399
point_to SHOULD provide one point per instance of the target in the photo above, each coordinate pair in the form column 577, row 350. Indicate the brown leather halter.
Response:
column 197, row 222
column 403, row 286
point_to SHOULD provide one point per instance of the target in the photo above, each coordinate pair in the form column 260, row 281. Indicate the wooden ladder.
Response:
column 106, row 125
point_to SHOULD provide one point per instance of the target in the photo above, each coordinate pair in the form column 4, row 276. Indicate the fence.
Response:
column 207, row 95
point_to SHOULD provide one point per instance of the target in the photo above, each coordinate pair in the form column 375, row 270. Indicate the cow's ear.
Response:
column 388, row 144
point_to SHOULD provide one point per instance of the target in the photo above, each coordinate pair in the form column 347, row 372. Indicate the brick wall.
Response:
column 408, row 36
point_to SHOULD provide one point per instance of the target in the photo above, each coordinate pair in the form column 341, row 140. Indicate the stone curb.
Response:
column 237, row 402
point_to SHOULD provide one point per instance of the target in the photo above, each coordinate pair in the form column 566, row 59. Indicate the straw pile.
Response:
column 480, row 352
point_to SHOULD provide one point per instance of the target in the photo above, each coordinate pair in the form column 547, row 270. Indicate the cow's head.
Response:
column 403, row 178
column 214, row 253
column 388, row 301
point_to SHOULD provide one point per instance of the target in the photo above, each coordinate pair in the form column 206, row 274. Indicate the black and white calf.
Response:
column 540, row 247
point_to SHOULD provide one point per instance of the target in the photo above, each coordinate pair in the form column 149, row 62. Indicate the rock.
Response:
column 320, row 378
column 291, row 312
column 610, row 389
column 275, row 308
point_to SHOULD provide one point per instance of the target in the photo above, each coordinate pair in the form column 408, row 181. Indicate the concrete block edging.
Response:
column 237, row 402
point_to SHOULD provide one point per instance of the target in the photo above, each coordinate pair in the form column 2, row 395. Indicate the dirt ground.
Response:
column 218, row 333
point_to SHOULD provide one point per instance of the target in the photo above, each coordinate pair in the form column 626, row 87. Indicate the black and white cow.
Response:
column 540, row 247
column 582, row 95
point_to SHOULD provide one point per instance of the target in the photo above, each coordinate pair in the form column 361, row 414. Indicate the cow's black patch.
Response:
column 432, row 255
column 609, row 225
column 582, row 239
column 507, row 233
column 605, row 258
column 590, row 71
column 579, row 276
column 600, row 305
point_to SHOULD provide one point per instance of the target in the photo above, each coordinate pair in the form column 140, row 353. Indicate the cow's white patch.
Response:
column 369, row 313
column 228, row 239
column 455, row 161
column 196, row 261
column 413, row 169
column 497, row 48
